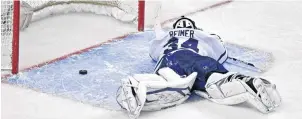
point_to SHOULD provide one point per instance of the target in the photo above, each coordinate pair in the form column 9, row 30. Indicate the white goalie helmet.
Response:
column 184, row 22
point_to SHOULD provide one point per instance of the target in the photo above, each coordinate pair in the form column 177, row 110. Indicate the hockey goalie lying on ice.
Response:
column 189, row 59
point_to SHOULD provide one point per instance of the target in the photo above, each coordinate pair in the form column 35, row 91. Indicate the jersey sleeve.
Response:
column 214, row 46
column 157, row 44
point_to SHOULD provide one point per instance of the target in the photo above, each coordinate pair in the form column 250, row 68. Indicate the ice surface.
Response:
column 107, row 65
column 272, row 26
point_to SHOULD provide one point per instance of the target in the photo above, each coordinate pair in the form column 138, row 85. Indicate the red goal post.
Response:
column 12, row 21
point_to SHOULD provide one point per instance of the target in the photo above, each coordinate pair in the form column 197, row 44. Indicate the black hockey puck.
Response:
column 83, row 72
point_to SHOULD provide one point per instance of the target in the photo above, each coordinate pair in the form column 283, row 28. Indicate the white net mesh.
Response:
column 6, row 34
column 33, row 10
column 122, row 10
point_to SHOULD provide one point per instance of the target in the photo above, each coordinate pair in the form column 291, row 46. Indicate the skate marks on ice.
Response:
column 106, row 66
column 260, row 59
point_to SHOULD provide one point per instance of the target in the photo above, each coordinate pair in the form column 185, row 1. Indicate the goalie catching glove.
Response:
column 149, row 92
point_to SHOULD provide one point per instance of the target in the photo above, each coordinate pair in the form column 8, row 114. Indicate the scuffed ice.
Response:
column 106, row 66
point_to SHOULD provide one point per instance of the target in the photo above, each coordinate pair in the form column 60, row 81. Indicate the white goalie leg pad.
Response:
column 229, row 91
column 225, row 92
column 131, row 96
column 134, row 92
column 134, row 87
column 174, row 92
column 267, row 97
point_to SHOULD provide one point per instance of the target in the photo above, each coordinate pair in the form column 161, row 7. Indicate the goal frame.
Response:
column 15, row 37
column 16, row 30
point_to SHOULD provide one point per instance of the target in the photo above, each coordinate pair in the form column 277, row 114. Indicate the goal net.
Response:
column 18, row 15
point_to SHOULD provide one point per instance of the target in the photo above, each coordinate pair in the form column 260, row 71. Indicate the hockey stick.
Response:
column 243, row 64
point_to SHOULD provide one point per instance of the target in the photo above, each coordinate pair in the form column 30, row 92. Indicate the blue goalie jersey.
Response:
column 188, row 50
column 198, row 41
